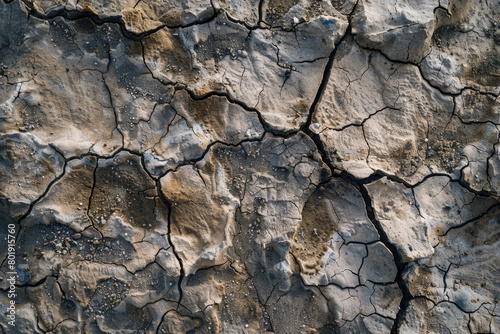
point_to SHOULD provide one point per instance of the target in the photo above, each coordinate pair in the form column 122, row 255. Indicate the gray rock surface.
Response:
column 249, row 166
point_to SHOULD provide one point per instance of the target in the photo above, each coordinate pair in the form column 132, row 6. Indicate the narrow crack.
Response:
column 113, row 107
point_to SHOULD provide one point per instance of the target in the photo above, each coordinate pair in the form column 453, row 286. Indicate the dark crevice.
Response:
column 261, row 14
column 359, row 183
column 324, row 83
column 167, row 203
column 401, row 266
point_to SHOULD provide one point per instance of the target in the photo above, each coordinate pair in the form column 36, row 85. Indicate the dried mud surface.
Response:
column 250, row 166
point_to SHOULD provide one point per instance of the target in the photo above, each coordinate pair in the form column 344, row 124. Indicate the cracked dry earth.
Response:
column 216, row 166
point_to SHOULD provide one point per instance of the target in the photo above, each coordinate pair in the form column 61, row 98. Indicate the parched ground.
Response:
column 250, row 166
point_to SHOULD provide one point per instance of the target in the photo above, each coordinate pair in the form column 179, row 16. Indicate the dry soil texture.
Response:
column 250, row 166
